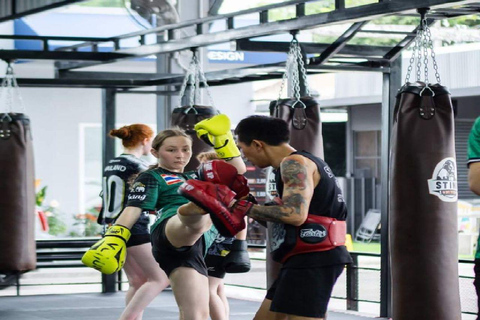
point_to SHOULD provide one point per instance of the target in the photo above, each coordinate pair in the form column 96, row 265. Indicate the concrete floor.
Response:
column 93, row 306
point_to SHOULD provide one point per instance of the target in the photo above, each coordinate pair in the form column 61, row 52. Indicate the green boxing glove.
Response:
column 216, row 132
column 108, row 254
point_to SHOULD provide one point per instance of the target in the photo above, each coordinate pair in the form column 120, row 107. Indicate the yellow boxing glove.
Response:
column 108, row 254
column 216, row 132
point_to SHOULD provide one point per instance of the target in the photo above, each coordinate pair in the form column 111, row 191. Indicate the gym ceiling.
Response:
column 335, row 56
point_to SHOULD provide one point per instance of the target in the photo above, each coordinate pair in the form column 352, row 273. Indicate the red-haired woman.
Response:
column 146, row 279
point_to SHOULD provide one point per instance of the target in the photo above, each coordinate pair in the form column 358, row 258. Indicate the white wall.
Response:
column 56, row 115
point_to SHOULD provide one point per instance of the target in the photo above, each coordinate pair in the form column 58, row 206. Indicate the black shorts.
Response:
column 141, row 225
column 303, row 292
column 138, row 239
column 216, row 254
column 169, row 258
column 215, row 266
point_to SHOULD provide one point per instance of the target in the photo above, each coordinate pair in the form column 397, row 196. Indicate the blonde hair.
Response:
column 206, row 156
column 168, row 133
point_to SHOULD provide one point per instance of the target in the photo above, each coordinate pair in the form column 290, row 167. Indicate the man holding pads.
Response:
column 309, row 231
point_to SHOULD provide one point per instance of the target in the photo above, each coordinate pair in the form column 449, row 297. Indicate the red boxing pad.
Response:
column 221, row 172
column 215, row 199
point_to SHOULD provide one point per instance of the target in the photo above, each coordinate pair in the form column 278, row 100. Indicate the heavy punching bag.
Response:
column 186, row 118
column 17, row 189
column 423, row 189
column 303, row 118
column 423, row 207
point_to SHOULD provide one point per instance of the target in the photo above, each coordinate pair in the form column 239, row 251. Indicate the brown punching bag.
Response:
column 305, row 126
column 186, row 118
column 303, row 118
column 17, row 187
column 423, row 207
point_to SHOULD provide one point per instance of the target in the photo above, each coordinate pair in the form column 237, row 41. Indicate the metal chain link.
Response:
column 302, row 69
column 198, row 96
column 10, row 90
column 412, row 61
column 295, row 75
column 186, row 79
column 434, row 60
column 191, row 81
column 203, row 79
column 419, row 55
column 422, row 43
column 295, row 65
column 288, row 64
column 194, row 76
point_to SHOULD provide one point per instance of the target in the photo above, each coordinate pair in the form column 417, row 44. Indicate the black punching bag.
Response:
column 423, row 207
column 186, row 118
column 303, row 119
column 17, row 189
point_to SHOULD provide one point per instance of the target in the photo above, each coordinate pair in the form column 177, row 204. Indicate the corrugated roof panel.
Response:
column 22, row 6
column 5, row 8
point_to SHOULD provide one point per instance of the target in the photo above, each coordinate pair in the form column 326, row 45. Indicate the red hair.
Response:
column 133, row 134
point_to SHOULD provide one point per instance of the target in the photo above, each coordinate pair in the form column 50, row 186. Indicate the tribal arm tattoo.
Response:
column 297, row 193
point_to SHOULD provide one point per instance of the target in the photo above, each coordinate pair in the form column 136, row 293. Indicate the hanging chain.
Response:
column 412, row 61
column 288, row 63
column 194, row 76
column 419, row 55
column 10, row 90
column 422, row 43
column 425, row 50
column 197, row 94
column 295, row 66
column 203, row 79
column 186, row 79
column 434, row 60
column 295, row 75
column 191, row 81
column 302, row 69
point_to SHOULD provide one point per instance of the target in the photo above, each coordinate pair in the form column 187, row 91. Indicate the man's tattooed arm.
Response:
column 297, row 193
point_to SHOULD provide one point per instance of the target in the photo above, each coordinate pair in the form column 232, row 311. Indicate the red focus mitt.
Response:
column 215, row 199
column 221, row 172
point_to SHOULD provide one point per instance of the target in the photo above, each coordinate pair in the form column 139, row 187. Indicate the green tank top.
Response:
column 157, row 190
column 473, row 155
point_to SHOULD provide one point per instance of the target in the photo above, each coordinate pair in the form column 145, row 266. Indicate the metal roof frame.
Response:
column 336, row 56
column 15, row 9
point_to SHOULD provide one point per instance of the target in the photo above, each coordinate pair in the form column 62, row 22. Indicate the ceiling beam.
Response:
column 10, row 55
column 347, row 15
column 214, row 78
column 338, row 44
column 37, row 7
column 309, row 48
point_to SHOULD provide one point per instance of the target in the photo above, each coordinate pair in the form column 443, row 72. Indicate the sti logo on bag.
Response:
column 444, row 180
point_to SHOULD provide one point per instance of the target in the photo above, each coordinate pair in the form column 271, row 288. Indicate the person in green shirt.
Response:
column 182, row 232
column 473, row 162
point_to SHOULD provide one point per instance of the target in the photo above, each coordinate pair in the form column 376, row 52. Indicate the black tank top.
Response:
column 327, row 201
column 115, row 187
